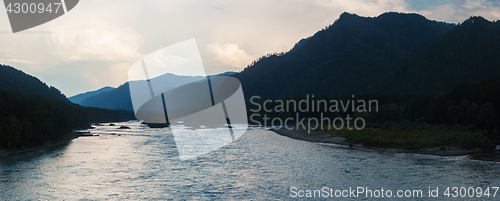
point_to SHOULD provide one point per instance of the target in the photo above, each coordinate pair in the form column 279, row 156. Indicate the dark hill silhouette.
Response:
column 33, row 114
column 348, row 56
column 468, row 53
column 12, row 79
column 80, row 97
column 119, row 98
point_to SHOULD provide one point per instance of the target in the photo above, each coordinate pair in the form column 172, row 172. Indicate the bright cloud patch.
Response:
column 366, row 7
column 109, row 36
column 95, row 42
column 230, row 55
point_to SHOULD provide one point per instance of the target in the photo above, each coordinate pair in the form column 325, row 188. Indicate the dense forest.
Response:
column 33, row 114
column 348, row 57
column 99, row 115
column 391, row 53
column 28, row 120
column 467, row 53
column 422, row 73
column 468, row 108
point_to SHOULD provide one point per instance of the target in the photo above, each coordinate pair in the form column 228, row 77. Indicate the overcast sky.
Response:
column 96, row 43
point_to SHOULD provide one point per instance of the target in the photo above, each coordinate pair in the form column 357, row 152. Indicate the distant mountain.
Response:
column 15, row 80
column 228, row 73
column 80, row 97
column 119, row 98
column 349, row 56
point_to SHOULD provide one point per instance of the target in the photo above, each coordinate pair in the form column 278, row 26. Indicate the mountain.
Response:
column 119, row 98
column 80, row 97
column 390, row 53
column 32, row 113
column 12, row 79
column 29, row 120
column 349, row 56
column 468, row 53
column 228, row 73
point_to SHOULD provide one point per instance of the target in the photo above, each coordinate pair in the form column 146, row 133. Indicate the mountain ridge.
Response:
column 12, row 79
column 354, row 55
column 353, row 48
column 82, row 96
column 119, row 98
column 467, row 53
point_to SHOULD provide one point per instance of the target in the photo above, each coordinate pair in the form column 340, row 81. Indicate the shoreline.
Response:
column 5, row 153
column 80, row 132
column 301, row 134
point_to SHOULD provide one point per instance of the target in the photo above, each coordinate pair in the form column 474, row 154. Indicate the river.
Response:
column 142, row 164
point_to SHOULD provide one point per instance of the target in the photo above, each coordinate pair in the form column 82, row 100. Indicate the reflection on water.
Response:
column 142, row 163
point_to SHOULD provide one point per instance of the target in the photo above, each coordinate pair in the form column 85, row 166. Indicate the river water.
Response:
column 143, row 164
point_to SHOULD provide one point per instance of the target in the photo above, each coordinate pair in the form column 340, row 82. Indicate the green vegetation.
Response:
column 416, row 69
column 99, row 115
column 465, row 117
column 33, row 114
column 407, row 135
column 433, row 73
column 28, row 120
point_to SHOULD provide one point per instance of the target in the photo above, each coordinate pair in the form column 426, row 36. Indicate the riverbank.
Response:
column 301, row 134
column 74, row 135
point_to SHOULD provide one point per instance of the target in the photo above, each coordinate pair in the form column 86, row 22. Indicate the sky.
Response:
column 95, row 44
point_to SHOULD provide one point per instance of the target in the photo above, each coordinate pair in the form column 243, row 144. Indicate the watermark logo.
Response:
column 169, row 87
column 26, row 14
column 311, row 113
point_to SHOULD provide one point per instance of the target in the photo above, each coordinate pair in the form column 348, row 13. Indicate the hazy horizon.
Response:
column 79, row 52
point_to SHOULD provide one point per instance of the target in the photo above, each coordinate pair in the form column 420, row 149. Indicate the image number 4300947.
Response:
column 26, row 14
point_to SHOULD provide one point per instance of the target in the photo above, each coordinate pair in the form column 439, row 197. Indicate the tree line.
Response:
column 29, row 120
column 469, row 107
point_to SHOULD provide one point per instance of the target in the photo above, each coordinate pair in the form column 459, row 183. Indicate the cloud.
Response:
column 458, row 11
column 230, row 55
column 366, row 7
column 94, row 41
column 167, row 61
column 20, row 61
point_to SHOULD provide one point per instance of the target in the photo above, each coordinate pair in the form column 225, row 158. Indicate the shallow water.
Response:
column 142, row 164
